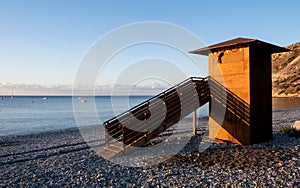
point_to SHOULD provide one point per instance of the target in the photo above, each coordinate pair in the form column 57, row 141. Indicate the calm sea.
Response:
column 281, row 103
column 24, row 115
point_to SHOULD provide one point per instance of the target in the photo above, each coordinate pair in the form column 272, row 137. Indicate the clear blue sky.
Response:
column 42, row 42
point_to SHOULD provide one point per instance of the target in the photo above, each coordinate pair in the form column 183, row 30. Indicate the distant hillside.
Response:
column 286, row 72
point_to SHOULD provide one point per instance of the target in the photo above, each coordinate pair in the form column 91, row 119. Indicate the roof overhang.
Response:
column 238, row 42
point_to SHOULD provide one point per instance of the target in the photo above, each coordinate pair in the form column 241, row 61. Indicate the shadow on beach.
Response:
column 225, row 155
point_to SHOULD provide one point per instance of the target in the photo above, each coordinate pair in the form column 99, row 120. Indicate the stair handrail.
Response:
column 125, row 113
column 142, row 109
column 154, row 97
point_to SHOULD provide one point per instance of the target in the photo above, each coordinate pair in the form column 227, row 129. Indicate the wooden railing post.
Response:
column 194, row 122
column 123, row 132
column 106, row 135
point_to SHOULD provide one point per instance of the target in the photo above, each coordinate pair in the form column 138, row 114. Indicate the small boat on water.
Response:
column 83, row 100
column 45, row 98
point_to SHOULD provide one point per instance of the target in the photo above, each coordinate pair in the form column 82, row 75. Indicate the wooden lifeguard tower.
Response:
column 238, row 89
column 240, row 72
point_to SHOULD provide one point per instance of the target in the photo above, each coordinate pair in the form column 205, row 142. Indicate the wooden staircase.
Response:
column 137, row 126
column 140, row 124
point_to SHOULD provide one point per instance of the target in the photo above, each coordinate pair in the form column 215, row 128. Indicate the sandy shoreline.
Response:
column 62, row 158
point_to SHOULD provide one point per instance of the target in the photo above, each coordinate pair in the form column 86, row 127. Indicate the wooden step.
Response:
column 105, row 153
column 117, row 145
column 112, row 150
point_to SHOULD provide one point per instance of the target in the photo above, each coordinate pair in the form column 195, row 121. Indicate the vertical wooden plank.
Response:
column 194, row 122
column 106, row 135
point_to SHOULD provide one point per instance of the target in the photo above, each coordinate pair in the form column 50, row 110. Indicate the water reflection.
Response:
column 285, row 102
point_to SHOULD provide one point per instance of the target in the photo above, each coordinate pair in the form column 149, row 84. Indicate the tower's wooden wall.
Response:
column 232, row 70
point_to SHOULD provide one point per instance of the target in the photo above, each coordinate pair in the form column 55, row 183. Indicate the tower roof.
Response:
column 238, row 41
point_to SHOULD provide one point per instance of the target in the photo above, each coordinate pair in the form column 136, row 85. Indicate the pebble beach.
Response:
column 62, row 159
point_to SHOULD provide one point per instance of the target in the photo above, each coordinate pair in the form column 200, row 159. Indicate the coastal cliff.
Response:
column 286, row 72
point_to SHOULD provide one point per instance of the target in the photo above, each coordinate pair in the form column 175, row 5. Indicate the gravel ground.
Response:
column 62, row 159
